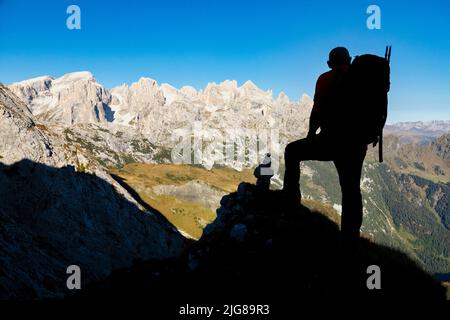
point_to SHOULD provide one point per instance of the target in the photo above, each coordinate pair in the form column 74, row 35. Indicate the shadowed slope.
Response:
column 51, row 218
column 259, row 250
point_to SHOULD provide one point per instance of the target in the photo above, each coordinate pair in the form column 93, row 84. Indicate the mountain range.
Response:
column 156, row 110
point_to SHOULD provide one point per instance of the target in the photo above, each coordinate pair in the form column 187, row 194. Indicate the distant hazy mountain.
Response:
column 419, row 131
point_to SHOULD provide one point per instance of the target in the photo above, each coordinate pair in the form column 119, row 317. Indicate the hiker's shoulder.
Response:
column 324, row 81
column 326, row 76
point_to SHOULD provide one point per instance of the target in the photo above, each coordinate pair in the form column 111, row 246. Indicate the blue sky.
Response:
column 279, row 45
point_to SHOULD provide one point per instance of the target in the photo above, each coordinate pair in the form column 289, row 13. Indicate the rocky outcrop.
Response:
column 21, row 137
column 441, row 146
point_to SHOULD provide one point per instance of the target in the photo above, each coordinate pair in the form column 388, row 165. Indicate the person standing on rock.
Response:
column 335, row 142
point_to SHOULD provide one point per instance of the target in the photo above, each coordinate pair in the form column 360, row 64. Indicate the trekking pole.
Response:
column 387, row 57
column 387, row 54
column 380, row 147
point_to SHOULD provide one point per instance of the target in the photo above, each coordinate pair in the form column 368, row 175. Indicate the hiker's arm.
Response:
column 314, row 118
column 314, row 122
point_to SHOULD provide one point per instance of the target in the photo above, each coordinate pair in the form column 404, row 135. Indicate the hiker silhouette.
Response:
column 336, row 142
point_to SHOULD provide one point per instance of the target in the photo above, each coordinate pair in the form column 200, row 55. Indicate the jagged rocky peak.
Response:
column 228, row 92
column 145, row 82
column 143, row 94
column 282, row 98
column 249, row 89
column 29, row 89
column 220, row 94
column 36, row 80
column 170, row 93
column 306, row 100
column 189, row 91
column 229, row 84
column 72, row 98
column 77, row 76
column 145, row 87
column 249, row 85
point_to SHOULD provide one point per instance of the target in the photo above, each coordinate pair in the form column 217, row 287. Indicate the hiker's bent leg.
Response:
column 295, row 152
column 349, row 170
column 292, row 158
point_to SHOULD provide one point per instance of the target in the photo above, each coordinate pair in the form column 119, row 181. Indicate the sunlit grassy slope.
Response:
column 186, row 195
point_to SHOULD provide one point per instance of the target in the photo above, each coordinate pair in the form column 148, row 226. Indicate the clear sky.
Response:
column 279, row 45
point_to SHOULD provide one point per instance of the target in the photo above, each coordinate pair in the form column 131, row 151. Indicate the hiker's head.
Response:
column 338, row 57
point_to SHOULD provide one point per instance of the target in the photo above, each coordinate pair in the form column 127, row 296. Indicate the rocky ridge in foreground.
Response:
column 260, row 250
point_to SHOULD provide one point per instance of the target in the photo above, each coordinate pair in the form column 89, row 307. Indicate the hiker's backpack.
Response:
column 369, row 83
